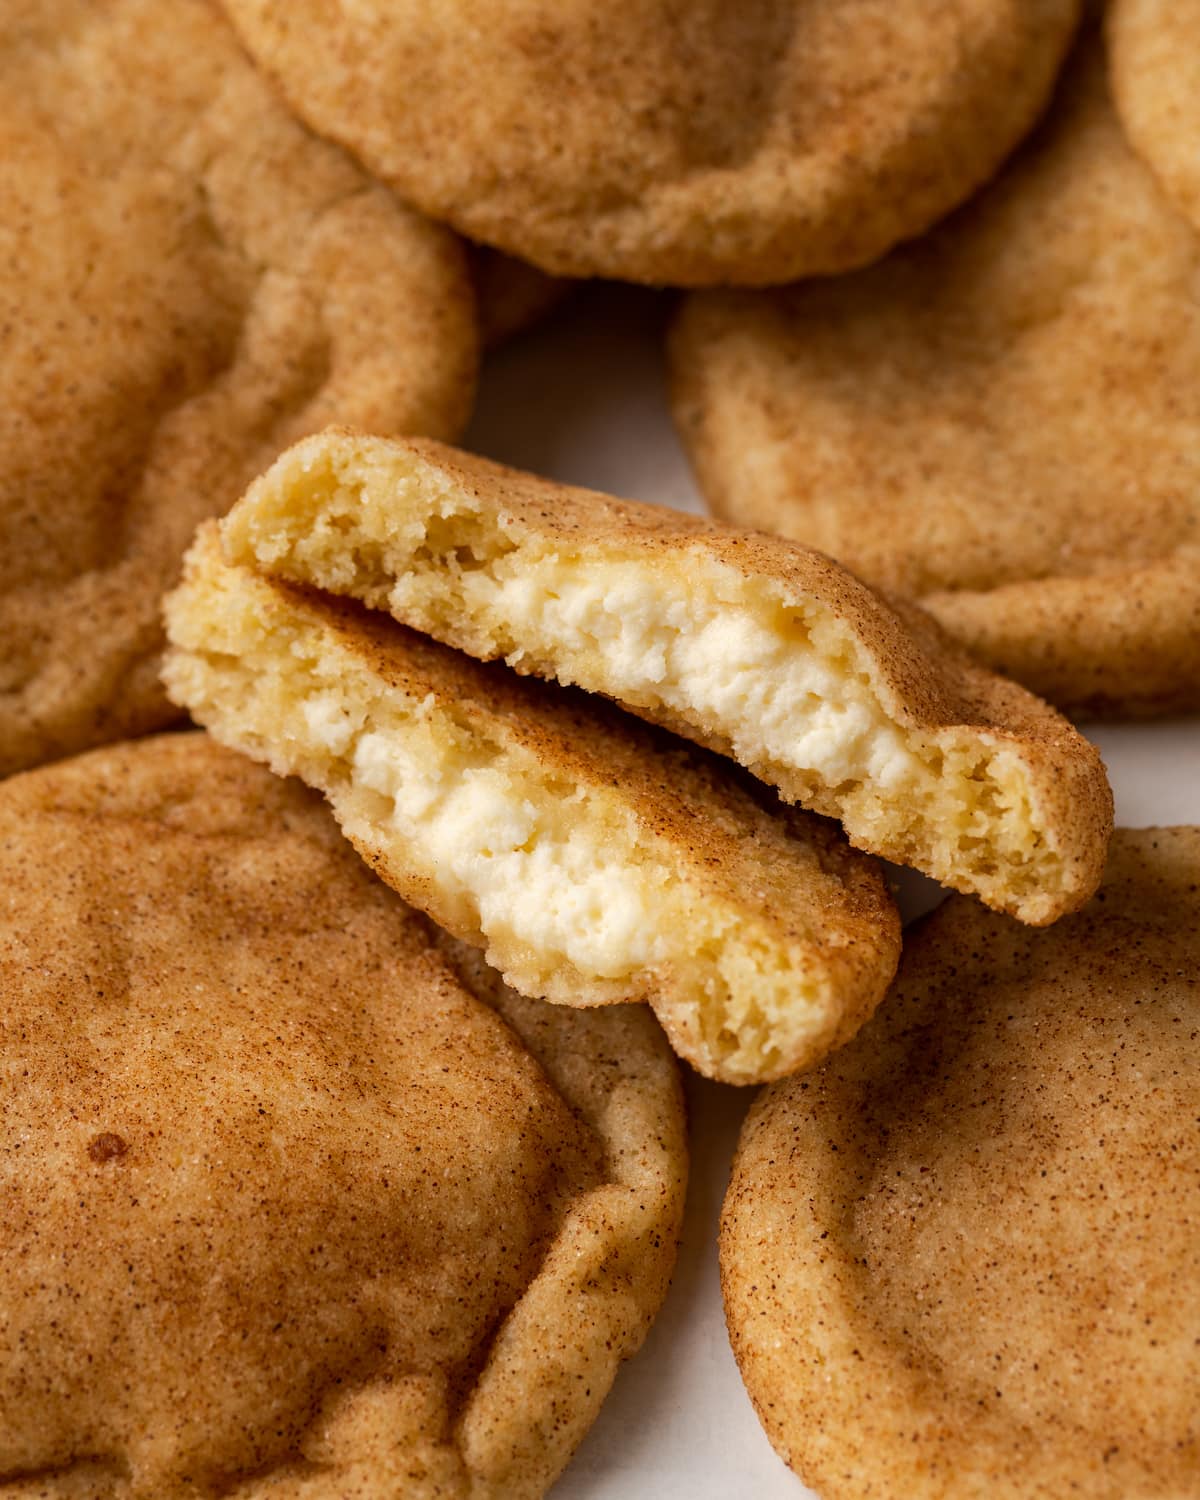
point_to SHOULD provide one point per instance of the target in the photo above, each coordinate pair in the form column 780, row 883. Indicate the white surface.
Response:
column 583, row 400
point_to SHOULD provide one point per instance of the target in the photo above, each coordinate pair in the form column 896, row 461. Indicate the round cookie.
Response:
column 295, row 1203
column 999, row 421
column 189, row 280
column 961, row 1260
column 656, row 142
column 1155, row 65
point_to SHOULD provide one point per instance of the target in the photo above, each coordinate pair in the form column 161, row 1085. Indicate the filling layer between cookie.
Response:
column 574, row 898
column 787, row 690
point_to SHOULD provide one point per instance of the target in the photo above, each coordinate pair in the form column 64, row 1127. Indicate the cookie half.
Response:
column 595, row 860
column 189, row 281
column 297, row 1202
column 998, row 421
column 654, row 142
column 751, row 645
column 961, row 1259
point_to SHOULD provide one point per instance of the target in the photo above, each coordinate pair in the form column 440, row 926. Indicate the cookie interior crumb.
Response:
column 779, row 680
column 563, row 877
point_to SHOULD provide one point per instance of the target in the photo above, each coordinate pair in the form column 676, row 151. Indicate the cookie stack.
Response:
column 344, row 1138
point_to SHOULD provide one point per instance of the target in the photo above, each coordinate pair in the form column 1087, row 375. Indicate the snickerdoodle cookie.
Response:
column 654, row 141
column 998, row 421
column 1155, row 67
column 962, row 1259
column 596, row 860
column 749, row 644
column 189, row 280
column 298, row 1200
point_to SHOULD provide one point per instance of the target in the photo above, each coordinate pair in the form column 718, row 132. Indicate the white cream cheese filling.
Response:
column 777, row 700
column 529, row 871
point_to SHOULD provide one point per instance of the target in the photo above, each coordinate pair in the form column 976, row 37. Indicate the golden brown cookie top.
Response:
column 666, row 143
column 749, row 644
column 961, row 1259
column 188, row 280
column 997, row 421
column 1155, row 66
column 290, row 1208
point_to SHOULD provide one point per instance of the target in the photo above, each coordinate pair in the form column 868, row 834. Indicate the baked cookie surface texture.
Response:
column 189, row 280
column 961, row 1259
column 1155, row 66
column 595, row 860
column 998, row 421
column 298, row 1201
column 655, row 141
column 755, row 647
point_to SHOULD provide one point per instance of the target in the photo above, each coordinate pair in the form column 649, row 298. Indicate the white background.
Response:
column 583, row 399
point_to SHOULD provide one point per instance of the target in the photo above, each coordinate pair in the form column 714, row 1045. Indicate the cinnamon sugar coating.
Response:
column 189, row 280
column 299, row 1200
column 961, row 1259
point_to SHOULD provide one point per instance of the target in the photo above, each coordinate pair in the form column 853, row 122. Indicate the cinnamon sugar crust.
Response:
column 299, row 1200
column 997, row 422
column 686, row 145
column 189, row 280
column 961, row 1259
